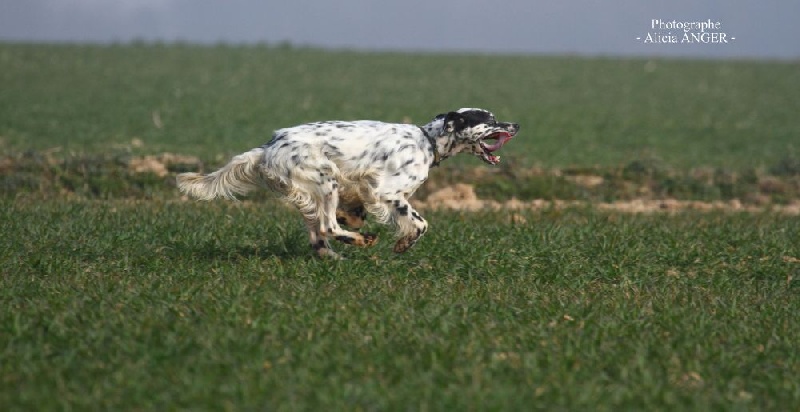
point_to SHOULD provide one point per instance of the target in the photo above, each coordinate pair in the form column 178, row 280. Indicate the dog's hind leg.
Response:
column 318, row 242
column 304, row 196
column 351, row 217
column 350, row 211
column 328, row 216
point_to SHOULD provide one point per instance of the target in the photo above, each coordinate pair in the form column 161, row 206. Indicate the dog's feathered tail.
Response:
column 241, row 175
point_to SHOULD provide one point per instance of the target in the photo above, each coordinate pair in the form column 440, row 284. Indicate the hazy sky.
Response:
column 753, row 28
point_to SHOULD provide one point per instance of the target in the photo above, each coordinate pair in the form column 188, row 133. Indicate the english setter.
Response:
column 335, row 172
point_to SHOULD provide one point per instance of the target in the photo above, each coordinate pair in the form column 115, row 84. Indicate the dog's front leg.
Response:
column 409, row 223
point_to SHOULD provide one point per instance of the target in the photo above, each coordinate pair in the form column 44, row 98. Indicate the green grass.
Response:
column 161, row 305
column 216, row 101
column 118, row 296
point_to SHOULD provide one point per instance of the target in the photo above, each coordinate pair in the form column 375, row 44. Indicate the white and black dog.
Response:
column 335, row 172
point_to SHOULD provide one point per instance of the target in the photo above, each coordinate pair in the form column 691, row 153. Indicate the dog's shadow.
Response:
column 288, row 247
column 212, row 250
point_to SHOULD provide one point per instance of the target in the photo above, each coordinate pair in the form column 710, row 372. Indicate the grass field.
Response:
column 220, row 101
column 119, row 295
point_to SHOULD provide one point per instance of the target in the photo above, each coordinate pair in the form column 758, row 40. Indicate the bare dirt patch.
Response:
column 588, row 181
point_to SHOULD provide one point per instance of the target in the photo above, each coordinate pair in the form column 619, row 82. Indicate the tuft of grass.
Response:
column 787, row 166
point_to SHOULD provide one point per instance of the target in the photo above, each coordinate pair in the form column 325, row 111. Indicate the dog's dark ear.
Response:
column 453, row 122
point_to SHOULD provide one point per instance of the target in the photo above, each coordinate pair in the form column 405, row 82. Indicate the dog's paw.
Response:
column 324, row 251
column 370, row 239
column 405, row 243
column 359, row 239
column 328, row 254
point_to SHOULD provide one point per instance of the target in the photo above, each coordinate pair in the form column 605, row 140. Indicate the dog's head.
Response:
column 474, row 130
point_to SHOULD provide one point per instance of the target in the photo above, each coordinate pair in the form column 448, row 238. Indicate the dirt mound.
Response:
column 161, row 164
column 457, row 197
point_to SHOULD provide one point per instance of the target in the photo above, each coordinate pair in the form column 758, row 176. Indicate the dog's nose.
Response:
column 515, row 126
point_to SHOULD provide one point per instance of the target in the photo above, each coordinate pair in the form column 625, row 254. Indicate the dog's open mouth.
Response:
column 500, row 139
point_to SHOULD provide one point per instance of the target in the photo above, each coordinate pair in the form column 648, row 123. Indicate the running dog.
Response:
column 335, row 172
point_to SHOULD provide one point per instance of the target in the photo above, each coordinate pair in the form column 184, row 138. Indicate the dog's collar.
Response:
column 436, row 156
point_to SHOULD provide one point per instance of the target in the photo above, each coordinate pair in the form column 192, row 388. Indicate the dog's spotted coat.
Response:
column 336, row 172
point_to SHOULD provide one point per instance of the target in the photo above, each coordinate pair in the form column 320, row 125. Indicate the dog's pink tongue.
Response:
column 500, row 142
